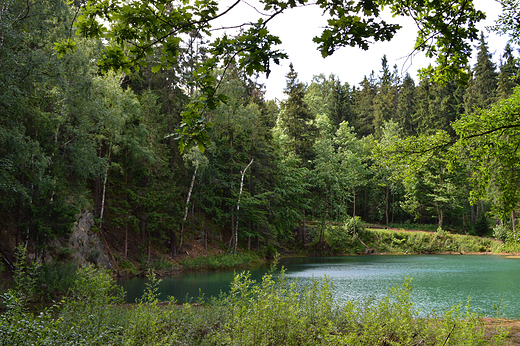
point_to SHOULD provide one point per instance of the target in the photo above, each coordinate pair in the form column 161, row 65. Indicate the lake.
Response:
column 439, row 281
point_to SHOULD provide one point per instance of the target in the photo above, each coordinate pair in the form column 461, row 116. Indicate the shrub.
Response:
column 501, row 231
column 56, row 279
column 338, row 238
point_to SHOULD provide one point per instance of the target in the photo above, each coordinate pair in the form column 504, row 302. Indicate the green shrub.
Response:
column 55, row 279
column 220, row 261
column 278, row 312
column 162, row 264
column 338, row 238
column 501, row 231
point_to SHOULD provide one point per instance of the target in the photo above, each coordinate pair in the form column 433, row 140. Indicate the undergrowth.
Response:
column 220, row 261
column 342, row 240
column 275, row 311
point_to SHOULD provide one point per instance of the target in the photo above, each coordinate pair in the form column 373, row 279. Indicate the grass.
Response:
column 420, row 242
column 342, row 240
column 414, row 226
column 220, row 261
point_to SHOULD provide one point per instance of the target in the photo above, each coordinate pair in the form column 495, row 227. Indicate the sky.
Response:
column 298, row 26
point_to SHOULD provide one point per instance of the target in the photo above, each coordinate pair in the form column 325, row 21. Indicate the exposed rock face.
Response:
column 86, row 244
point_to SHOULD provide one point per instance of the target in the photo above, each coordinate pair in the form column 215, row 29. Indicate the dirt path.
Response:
column 513, row 326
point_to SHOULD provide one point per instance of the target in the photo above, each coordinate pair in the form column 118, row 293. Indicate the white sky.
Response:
column 298, row 26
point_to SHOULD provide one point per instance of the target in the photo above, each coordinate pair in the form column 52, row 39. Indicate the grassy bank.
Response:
column 271, row 312
column 392, row 241
column 221, row 261
column 341, row 239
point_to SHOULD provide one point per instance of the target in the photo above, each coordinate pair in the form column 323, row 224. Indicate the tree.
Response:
column 490, row 139
column 137, row 27
column 406, row 106
column 327, row 95
column 363, row 107
column 48, row 147
column 385, row 101
column 297, row 118
column 507, row 79
column 481, row 91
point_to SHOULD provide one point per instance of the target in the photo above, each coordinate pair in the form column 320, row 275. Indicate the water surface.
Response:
column 439, row 281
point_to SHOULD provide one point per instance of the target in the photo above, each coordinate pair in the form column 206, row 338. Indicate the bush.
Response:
column 55, row 280
column 338, row 238
column 501, row 232
column 278, row 312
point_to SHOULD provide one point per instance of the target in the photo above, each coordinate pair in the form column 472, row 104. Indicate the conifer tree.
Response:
column 423, row 101
column 298, row 119
column 340, row 107
column 385, row 103
column 507, row 79
column 481, row 91
column 363, row 108
column 406, row 106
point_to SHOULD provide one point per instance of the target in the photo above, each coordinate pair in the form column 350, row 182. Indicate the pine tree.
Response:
column 481, row 91
column 406, row 106
column 446, row 106
column 507, row 79
column 385, row 107
column 363, row 107
column 423, row 102
column 340, row 103
column 298, row 119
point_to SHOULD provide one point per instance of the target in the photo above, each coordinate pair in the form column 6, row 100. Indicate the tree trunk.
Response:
column 104, row 189
column 304, row 240
column 149, row 246
column 249, row 236
column 441, row 217
column 238, row 204
column 173, row 244
column 513, row 220
column 186, row 211
column 231, row 241
column 126, row 239
column 365, row 209
column 387, row 197
column 205, row 234
column 322, row 233
column 392, row 209
column 354, row 211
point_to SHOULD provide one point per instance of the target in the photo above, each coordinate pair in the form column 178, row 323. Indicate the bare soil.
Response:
column 513, row 326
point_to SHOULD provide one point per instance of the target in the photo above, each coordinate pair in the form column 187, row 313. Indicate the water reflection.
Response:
column 439, row 281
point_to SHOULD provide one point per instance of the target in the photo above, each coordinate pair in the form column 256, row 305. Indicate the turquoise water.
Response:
column 439, row 281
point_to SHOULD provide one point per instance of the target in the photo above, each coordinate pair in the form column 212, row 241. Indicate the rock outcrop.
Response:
column 86, row 244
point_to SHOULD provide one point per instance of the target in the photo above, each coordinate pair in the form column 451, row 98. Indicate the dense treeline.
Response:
column 73, row 138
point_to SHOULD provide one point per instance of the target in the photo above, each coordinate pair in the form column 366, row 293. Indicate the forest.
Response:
column 165, row 145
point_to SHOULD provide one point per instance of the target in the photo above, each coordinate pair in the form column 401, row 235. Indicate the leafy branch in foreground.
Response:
column 488, row 143
column 133, row 29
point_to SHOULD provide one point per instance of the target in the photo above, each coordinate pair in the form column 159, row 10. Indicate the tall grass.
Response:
column 422, row 242
column 220, row 261
column 342, row 240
